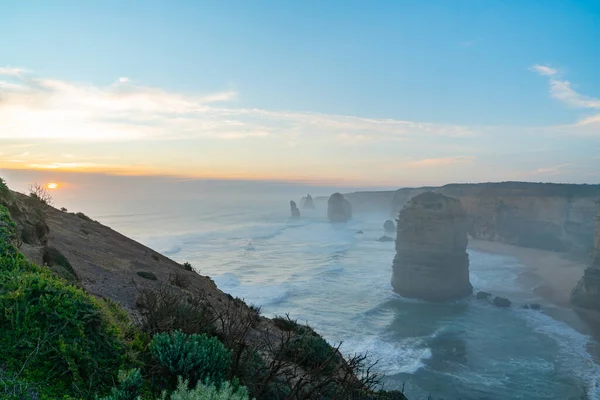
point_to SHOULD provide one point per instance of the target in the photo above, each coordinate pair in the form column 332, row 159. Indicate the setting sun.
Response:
column 52, row 185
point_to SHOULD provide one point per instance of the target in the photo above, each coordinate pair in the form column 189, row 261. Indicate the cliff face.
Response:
column 587, row 292
column 431, row 260
column 557, row 217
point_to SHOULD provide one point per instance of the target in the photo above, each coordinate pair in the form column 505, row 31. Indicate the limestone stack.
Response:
column 294, row 209
column 587, row 292
column 338, row 208
column 308, row 202
column 431, row 260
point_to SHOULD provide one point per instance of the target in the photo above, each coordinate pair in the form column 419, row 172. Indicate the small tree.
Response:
column 40, row 193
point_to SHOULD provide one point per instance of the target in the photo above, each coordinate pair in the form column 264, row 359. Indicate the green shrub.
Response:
column 226, row 391
column 311, row 350
column 56, row 335
column 285, row 323
column 165, row 310
column 147, row 275
column 194, row 357
column 4, row 191
column 187, row 266
column 130, row 385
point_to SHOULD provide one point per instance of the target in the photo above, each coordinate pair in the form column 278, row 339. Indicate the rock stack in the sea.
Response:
column 431, row 260
column 338, row 208
column 294, row 209
column 586, row 293
column 308, row 202
column 389, row 226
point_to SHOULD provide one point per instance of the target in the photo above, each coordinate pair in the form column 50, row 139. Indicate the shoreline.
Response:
column 557, row 275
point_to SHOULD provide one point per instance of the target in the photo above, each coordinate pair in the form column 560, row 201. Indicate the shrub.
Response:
column 187, row 266
column 163, row 309
column 310, row 350
column 59, row 264
column 285, row 323
column 4, row 191
column 147, row 275
column 195, row 357
column 226, row 391
column 130, row 385
column 39, row 194
column 56, row 335
column 84, row 217
column 63, row 209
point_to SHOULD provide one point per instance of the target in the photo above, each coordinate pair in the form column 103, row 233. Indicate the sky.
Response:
column 339, row 93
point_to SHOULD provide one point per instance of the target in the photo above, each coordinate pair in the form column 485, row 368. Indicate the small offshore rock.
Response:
column 535, row 306
column 385, row 239
column 501, row 302
column 359, row 232
column 526, row 307
column 483, row 295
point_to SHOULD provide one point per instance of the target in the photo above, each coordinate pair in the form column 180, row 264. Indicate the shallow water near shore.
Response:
column 339, row 282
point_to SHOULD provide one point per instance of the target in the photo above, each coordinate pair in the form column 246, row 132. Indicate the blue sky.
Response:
column 370, row 92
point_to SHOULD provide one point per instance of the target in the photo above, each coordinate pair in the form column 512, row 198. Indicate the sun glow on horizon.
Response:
column 52, row 185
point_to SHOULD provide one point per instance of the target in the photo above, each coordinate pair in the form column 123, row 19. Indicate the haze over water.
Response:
column 339, row 282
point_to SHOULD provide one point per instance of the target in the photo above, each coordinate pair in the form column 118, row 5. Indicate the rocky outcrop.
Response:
column 502, row 302
column 385, row 239
column 483, row 295
column 587, row 292
column 338, row 208
column 431, row 260
column 389, row 226
column 294, row 209
column 307, row 202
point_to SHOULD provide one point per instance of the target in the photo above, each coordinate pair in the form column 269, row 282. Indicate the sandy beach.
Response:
column 559, row 274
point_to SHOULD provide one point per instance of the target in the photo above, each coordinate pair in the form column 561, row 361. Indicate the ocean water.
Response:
column 339, row 282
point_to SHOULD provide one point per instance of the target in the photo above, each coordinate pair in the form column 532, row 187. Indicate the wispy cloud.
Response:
column 544, row 70
column 563, row 91
column 38, row 107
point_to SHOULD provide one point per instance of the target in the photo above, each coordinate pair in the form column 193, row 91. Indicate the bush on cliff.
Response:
column 194, row 357
column 52, row 334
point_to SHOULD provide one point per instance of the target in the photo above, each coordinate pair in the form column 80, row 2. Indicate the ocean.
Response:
column 338, row 281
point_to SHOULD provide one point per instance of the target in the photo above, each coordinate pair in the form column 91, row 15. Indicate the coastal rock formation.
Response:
column 501, row 302
column 587, row 292
column 308, row 202
column 338, row 208
column 294, row 209
column 389, row 226
column 385, row 239
column 483, row 295
column 431, row 260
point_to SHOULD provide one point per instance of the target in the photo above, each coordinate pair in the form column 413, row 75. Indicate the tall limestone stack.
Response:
column 295, row 212
column 431, row 260
column 308, row 202
column 587, row 292
column 338, row 208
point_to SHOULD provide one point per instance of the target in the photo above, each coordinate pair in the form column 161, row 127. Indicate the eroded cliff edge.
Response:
column 556, row 217
column 431, row 260
column 587, row 292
